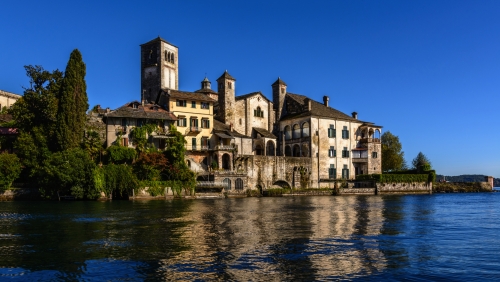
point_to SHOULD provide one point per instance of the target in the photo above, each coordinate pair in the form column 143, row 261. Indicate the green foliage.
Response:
column 140, row 134
column 393, row 178
column 150, row 166
column 119, row 179
column 32, row 148
column 67, row 172
column 73, row 104
column 120, row 155
column 392, row 154
column 10, row 168
column 464, row 187
column 155, row 188
column 421, row 162
column 92, row 143
column 3, row 110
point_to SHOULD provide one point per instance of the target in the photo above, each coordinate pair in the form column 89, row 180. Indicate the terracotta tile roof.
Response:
column 224, row 128
column 317, row 109
column 264, row 132
column 148, row 111
column 226, row 75
column 9, row 94
column 206, row 91
column 190, row 96
column 250, row 95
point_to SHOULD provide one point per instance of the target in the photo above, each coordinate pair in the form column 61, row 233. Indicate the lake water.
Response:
column 452, row 237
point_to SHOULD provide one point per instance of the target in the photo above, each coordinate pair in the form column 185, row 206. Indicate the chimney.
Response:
column 231, row 127
column 325, row 100
column 108, row 110
column 308, row 103
column 354, row 115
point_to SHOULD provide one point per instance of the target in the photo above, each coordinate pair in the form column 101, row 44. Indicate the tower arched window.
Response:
column 229, row 85
column 172, row 58
column 296, row 131
column 288, row 133
column 258, row 112
column 305, row 129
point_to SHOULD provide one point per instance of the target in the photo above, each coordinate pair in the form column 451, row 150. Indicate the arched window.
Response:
column 296, row 150
column 167, row 57
column 227, row 184
column 238, row 184
column 172, row 58
column 305, row 150
column 226, row 161
column 288, row 151
column 258, row 150
column 258, row 112
column 270, row 148
column 296, row 131
column 305, row 129
column 288, row 133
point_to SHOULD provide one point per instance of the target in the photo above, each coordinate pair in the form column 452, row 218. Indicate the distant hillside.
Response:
column 467, row 178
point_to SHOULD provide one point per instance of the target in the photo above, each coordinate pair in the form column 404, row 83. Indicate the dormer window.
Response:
column 134, row 106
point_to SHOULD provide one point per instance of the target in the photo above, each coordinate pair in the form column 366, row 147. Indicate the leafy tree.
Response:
column 140, row 136
column 10, row 168
column 119, row 180
column 92, row 143
column 175, row 153
column 73, row 104
column 421, row 162
column 120, row 154
column 392, row 154
column 150, row 166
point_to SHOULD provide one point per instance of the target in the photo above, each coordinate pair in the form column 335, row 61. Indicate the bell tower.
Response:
column 226, row 89
column 159, row 68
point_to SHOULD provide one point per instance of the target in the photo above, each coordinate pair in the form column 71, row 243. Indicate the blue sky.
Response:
column 427, row 71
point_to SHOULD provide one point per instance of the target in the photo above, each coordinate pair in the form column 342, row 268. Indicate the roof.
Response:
column 9, row 94
column 264, row 132
column 279, row 81
column 158, row 39
column 206, row 91
column 198, row 96
column 148, row 111
column 226, row 75
column 317, row 109
column 250, row 95
column 220, row 127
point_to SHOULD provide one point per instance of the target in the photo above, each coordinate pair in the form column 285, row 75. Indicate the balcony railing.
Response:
column 229, row 147
column 210, row 184
column 193, row 129
column 121, row 130
column 370, row 140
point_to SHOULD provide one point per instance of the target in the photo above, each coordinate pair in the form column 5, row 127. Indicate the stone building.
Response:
column 249, row 141
column 7, row 99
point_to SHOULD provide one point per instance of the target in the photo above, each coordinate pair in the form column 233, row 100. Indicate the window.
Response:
column 172, row 58
column 194, row 122
column 229, row 85
column 193, row 104
column 258, row 112
column 305, row 129
column 181, row 122
column 167, row 57
column 345, row 172
column 181, row 103
column 205, row 105
column 332, row 172
column 205, row 143
column 296, row 131
column 374, row 155
column 193, row 143
column 139, row 122
column 227, row 184
column 241, row 122
column 238, row 184
column 331, row 131
column 345, row 153
column 332, row 153
column 345, row 133
column 205, row 123
column 288, row 133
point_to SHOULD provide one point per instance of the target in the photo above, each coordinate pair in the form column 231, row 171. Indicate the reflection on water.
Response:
column 291, row 238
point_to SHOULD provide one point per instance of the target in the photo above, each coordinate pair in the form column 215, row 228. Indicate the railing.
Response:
column 193, row 129
column 210, row 184
column 228, row 172
column 121, row 130
column 197, row 148
column 359, row 154
column 225, row 147
column 298, row 140
column 370, row 140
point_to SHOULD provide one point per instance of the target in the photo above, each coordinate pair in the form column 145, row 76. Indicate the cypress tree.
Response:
column 73, row 104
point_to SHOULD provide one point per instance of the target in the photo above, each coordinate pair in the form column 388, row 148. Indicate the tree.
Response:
column 150, row 166
column 392, row 154
column 92, row 143
column 10, row 168
column 421, row 162
column 73, row 104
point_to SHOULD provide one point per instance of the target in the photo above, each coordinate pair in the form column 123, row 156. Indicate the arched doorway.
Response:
column 270, row 148
column 296, row 150
column 258, row 150
column 238, row 184
column 226, row 161
column 288, row 151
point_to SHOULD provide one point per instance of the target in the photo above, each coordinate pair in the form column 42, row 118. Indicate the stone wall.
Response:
column 404, row 188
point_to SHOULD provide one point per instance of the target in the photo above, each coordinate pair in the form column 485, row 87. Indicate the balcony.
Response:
column 359, row 156
column 229, row 147
column 370, row 140
column 121, row 130
column 193, row 130
column 298, row 140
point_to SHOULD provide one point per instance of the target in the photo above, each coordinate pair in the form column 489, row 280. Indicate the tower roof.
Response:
column 227, row 76
column 158, row 39
column 279, row 82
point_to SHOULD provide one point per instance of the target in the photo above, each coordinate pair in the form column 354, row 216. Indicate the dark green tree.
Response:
column 73, row 104
column 421, row 162
column 92, row 143
column 392, row 154
column 179, row 172
column 10, row 168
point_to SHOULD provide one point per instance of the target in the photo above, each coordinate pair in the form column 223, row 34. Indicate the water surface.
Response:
column 424, row 237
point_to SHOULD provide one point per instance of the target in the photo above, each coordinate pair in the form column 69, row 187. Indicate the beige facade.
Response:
column 7, row 99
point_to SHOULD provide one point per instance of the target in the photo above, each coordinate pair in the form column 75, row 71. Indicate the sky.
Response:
column 427, row 71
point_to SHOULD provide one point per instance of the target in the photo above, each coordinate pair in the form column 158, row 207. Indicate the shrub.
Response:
column 10, row 168
column 120, row 155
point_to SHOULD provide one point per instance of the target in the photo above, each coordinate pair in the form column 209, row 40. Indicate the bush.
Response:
column 120, row 155
column 119, row 180
column 150, row 166
column 10, row 168
column 394, row 178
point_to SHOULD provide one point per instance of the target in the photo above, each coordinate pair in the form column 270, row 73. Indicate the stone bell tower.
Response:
column 159, row 68
column 226, row 89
